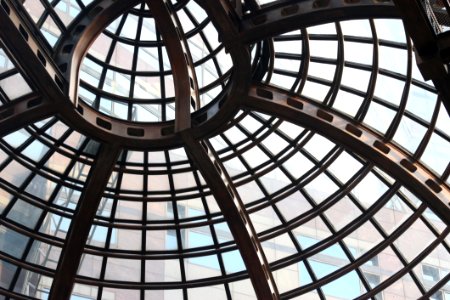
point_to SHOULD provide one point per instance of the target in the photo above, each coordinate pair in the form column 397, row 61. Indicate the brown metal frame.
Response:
column 431, row 48
column 286, row 16
column 179, row 61
column 22, row 112
column 237, row 218
column 114, row 135
column 82, row 221
column 356, row 137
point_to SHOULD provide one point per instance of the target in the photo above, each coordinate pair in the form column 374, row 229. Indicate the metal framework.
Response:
column 432, row 46
column 76, row 178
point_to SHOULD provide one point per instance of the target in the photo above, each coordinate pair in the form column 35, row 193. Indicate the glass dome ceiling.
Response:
column 127, row 73
column 315, row 168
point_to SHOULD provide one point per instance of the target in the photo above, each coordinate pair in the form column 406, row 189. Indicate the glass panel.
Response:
column 15, row 86
column 25, row 214
column 7, row 271
column 43, row 254
column 11, row 242
column 123, row 269
column 167, row 270
column 213, row 292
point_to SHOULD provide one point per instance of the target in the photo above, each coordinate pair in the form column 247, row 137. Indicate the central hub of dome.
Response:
column 132, row 70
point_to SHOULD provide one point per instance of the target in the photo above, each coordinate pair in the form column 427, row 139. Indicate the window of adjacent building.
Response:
column 430, row 273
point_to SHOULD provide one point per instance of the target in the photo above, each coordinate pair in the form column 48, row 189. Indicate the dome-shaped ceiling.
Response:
column 127, row 72
column 325, row 175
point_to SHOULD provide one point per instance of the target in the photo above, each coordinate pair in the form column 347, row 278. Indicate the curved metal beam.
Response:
column 226, row 21
column 23, row 112
column 290, row 15
column 82, row 220
column 232, row 207
column 34, row 60
column 430, row 47
column 356, row 137
column 82, row 32
column 72, row 47
column 193, row 82
column 178, row 56
column 69, row 53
